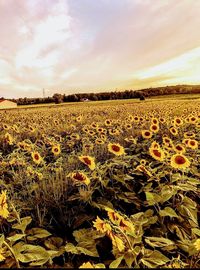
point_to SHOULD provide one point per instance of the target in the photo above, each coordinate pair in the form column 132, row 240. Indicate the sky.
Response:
column 74, row 46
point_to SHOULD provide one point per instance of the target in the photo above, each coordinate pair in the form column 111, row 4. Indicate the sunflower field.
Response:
column 101, row 185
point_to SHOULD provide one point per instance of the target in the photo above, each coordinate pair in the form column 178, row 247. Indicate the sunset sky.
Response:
column 73, row 46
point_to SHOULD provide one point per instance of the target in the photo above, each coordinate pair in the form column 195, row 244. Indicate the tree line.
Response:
column 126, row 94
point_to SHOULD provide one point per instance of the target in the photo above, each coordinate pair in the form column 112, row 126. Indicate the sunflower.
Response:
column 143, row 169
column 130, row 118
column 94, row 125
column 179, row 148
column 155, row 121
column 89, row 161
column 91, row 132
column 189, row 135
column 146, row 134
column 128, row 126
column 6, row 127
column 197, row 244
column 143, row 162
column 79, row 118
column 154, row 128
column 157, row 154
column 162, row 120
column 193, row 144
column 56, row 150
column 155, row 145
column 186, row 142
column 102, row 226
column 80, row 177
column 36, row 157
column 192, row 119
column 4, row 213
column 136, row 119
column 166, row 140
column 108, row 122
column 2, row 258
column 75, row 136
column 173, row 131
column 178, row 121
column 87, row 265
column 179, row 161
column 114, row 132
column 8, row 139
column 116, row 149
column 116, row 241
column 119, row 220
column 99, row 141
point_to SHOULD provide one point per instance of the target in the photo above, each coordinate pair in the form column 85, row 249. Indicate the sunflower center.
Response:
column 179, row 148
column 79, row 176
column 87, row 160
column 115, row 148
column 157, row 153
column 36, row 156
column 180, row 160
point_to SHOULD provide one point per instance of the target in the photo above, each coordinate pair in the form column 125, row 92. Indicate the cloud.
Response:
column 88, row 45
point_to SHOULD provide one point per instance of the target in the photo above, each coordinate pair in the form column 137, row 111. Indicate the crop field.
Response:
column 94, row 185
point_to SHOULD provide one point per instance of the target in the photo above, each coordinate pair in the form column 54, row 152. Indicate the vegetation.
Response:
column 126, row 94
column 109, row 185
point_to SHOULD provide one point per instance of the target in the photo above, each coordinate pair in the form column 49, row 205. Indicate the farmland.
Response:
column 101, row 184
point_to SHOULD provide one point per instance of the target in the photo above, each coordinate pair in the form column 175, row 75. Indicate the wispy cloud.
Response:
column 88, row 45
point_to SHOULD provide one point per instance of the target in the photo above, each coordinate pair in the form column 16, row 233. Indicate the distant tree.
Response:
column 58, row 98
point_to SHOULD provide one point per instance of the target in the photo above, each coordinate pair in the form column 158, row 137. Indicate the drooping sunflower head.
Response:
column 116, row 149
column 80, row 177
column 89, row 161
column 4, row 213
